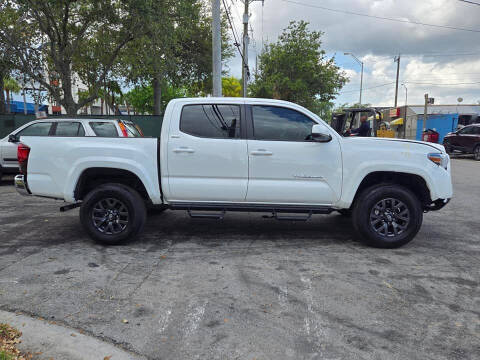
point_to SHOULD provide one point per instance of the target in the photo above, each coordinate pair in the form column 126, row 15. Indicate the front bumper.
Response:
column 436, row 205
column 21, row 185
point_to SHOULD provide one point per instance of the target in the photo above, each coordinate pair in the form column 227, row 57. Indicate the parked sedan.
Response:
column 61, row 127
column 465, row 140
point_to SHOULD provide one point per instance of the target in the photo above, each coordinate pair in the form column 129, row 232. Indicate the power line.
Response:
column 440, row 55
column 373, row 87
column 470, row 2
column 437, row 84
column 381, row 17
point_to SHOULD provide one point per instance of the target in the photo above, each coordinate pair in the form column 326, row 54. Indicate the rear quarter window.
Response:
column 104, row 129
column 132, row 129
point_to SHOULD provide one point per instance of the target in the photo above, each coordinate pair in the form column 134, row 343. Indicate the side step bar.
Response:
column 206, row 216
column 275, row 210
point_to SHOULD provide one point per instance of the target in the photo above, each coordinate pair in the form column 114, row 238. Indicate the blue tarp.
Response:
column 442, row 123
column 17, row 107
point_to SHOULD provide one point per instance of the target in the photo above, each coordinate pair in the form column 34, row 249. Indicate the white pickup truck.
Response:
column 234, row 154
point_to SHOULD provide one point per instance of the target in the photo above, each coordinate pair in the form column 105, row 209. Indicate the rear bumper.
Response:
column 21, row 185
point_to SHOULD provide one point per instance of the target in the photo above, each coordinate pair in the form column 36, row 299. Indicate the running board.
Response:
column 206, row 216
column 269, row 208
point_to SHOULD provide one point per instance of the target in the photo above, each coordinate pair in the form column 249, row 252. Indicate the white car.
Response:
column 232, row 154
column 61, row 127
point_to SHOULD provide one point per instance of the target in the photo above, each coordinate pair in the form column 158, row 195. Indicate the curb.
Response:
column 61, row 343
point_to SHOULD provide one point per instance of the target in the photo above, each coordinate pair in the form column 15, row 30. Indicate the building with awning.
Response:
column 408, row 121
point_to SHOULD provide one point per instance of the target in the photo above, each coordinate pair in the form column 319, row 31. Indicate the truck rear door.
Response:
column 207, row 153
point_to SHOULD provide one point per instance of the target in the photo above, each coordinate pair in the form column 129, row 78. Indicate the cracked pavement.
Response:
column 249, row 287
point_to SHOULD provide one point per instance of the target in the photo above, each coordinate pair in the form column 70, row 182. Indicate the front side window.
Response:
column 466, row 130
column 104, row 129
column 211, row 121
column 476, row 130
column 38, row 129
column 280, row 124
column 69, row 129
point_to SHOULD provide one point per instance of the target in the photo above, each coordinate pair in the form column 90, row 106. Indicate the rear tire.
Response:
column 476, row 153
column 387, row 216
column 112, row 213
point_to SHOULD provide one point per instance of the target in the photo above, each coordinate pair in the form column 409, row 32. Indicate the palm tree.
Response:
column 11, row 86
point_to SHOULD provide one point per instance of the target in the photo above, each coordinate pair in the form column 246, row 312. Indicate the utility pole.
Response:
column 217, row 49
column 397, row 60
column 245, row 71
column 246, row 40
column 361, row 76
column 425, row 109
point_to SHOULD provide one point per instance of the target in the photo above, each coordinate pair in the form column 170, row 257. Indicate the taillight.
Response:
column 22, row 155
column 139, row 130
column 123, row 128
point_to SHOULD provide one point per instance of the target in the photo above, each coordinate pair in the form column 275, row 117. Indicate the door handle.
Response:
column 183, row 149
column 261, row 152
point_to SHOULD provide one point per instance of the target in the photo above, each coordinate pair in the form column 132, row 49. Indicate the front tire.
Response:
column 387, row 216
column 112, row 213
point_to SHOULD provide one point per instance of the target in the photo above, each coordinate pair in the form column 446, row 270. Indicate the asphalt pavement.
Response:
column 249, row 287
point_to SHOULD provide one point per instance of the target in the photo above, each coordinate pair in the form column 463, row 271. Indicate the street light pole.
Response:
column 406, row 95
column 405, row 112
column 216, row 48
column 361, row 75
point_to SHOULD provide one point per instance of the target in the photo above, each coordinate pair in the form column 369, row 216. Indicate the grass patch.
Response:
column 9, row 339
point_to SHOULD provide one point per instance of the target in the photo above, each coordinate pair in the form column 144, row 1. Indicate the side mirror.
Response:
column 12, row 138
column 320, row 135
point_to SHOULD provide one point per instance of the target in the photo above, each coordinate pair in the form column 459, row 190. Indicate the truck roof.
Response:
column 239, row 100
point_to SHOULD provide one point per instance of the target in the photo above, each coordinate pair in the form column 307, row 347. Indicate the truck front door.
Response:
column 207, row 154
column 286, row 166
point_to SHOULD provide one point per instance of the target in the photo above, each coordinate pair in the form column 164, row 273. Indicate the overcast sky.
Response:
column 376, row 42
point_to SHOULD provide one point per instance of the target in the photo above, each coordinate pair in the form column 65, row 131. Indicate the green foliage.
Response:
column 141, row 97
column 344, row 106
column 84, row 37
column 295, row 69
column 11, row 85
column 177, row 49
column 231, row 87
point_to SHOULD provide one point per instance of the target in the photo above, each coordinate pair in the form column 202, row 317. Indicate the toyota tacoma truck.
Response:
column 239, row 154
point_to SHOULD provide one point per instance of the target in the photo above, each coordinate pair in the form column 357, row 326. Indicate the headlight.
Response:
column 439, row 158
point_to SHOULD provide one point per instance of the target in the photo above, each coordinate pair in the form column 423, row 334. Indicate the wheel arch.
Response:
column 414, row 182
column 93, row 177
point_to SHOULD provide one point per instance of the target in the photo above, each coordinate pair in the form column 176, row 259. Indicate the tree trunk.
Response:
column 2, row 96
column 71, row 107
column 157, row 95
column 9, row 108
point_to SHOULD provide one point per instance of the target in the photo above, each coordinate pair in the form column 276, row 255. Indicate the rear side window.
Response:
column 69, row 129
column 211, row 121
column 104, row 129
column 38, row 129
column 280, row 124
